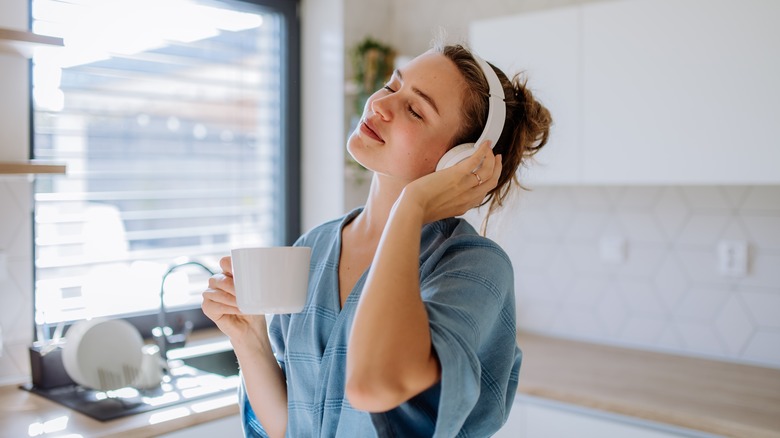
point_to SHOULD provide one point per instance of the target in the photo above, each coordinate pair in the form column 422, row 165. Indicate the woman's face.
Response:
column 408, row 125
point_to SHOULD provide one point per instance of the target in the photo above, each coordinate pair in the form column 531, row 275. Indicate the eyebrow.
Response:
column 419, row 92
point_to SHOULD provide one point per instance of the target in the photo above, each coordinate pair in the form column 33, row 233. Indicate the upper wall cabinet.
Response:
column 654, row 92
column 544, row 46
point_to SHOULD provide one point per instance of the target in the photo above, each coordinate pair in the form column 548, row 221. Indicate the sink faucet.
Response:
column 163, row 334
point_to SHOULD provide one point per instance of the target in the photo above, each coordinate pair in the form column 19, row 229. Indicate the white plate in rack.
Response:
column 103, row 354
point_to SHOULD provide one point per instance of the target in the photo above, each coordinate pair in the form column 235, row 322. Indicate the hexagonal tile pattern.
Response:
column 642, row 330
column 701, row 303
column 638, row 198
column 764, row 230
column 586, row 292
column 763, row 199
column 670, row 281
column 762, row 347
column 591, row 199
column 586, row 225
column 560, row 209
column 735, row 195
column 11, row 217
column 11, row 308
column 700, row 337
column 668, row 294
column 640, row 298
column 643, row 260
column 763, row 271
column 669, row 339
column 734, row 325
column 612, row 312
column 670, row 211
column 763, row 306
column 703, row 229
column 709, row 199
column 640, row 226
column 700, row 265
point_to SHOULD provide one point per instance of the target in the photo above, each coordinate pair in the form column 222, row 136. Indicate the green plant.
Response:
column 372, row 63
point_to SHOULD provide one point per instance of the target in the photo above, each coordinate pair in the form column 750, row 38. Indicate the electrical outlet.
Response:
column 733, row 258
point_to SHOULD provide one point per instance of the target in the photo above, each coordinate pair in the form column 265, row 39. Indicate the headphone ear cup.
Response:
column 456, row 155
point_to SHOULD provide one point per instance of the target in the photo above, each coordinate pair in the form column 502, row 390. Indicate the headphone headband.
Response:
column 495, row 119
column 496, row 105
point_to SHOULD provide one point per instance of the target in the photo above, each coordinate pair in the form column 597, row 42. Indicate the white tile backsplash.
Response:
column 668, row 294
column 763, row 306
column 16, row 308
column 734, row 325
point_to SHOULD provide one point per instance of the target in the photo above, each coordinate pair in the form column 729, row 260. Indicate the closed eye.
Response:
column 412, row 112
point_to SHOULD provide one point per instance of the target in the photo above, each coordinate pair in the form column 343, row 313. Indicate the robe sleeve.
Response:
column 249, row 422
column 469, row 297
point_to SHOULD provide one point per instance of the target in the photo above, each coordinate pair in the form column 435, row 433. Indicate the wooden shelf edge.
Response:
column 30, row 167
column 23, row 42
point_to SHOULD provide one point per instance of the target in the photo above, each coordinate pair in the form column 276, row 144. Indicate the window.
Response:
column 178, row 123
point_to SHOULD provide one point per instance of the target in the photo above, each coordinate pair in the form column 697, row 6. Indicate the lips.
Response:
column 369, row 129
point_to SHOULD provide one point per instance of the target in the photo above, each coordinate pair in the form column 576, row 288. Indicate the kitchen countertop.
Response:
column 711, row 396
column 24, row 414
column 722, row 398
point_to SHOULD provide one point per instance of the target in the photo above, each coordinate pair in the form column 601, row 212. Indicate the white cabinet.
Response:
column 650, row 91
column 545, row 46
column 532, row 417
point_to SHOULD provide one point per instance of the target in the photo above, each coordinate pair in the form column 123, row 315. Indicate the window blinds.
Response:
column 169, row 118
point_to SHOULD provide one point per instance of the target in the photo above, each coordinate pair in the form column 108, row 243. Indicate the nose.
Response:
column 381, row 106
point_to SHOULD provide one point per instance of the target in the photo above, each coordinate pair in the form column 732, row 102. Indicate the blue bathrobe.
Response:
column 467, row 286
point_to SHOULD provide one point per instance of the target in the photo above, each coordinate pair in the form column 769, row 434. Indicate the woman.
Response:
column 409, row 328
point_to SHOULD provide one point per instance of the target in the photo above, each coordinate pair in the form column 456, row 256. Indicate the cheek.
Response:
column 424, row 154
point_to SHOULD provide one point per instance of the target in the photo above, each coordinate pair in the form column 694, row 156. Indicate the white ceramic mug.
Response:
column 271, row 279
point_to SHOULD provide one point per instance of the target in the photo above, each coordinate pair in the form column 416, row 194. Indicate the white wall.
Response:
column 16, row 308
column 667, row 295
column 323, row 140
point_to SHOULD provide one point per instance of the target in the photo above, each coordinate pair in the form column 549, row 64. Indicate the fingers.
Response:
column 226, row 263
column 222, row 282
column 485, row 170
column 478, row 159
column 217, row 303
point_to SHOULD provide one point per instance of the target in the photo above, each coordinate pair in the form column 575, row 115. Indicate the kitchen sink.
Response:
column 216, row 358
column 194, row 372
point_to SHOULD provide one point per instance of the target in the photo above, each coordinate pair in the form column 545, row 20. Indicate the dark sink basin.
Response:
column 223, row 363
column 214, row 357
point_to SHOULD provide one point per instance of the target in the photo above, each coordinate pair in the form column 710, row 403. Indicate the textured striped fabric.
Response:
column 467, row 286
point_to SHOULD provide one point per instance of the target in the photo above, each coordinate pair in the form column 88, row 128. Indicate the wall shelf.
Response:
column 30, row 167
column 21, row 42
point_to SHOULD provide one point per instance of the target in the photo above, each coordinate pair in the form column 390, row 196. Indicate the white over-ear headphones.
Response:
column 494, row 125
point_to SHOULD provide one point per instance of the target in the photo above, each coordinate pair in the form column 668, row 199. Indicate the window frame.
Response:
column 289, row 204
